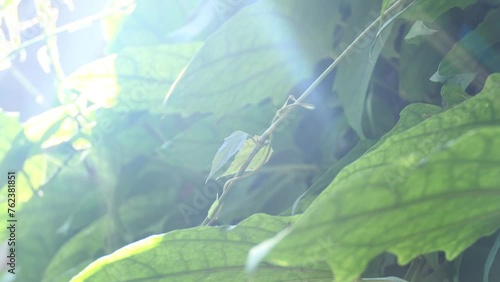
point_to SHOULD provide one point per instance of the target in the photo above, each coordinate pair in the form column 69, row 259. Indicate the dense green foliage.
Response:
column 388, row 169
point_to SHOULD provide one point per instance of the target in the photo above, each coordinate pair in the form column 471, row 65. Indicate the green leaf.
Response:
column 148, row 24
column 418, row 62
column 232, row 145
column 14, row 146
column 194, row 148
column 44, row 216
column 112, row 24
column 24, row 158
column 411, row 116
column 358, row 65
column 52, row 127
column 476, row 52
column 386, row 4
column 418, row 29
column 431, row 187
column 199, row 254
column 118, row 132
column 385, row 279
column 429, row 10
column 134, row 79
column 78, row 252
column 242, row 156
column 453, row 95
column 259, row 53
column 359, row 149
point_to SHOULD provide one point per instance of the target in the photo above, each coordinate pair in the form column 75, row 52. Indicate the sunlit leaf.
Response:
column 259, row 159
column 232, row 145
column 52, row 127
column 198, row 254
column 431, row 187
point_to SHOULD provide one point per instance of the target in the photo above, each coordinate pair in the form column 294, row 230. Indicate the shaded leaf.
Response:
column 359, row 65
column 429, row 10
column 92, row 240
column 453, row 95
column 431, row 187
column 411, row 116
column 232, row 145
column 476, row 53
column 198, row 254
column 148, row 24
column 44, row 216
column 418, row 62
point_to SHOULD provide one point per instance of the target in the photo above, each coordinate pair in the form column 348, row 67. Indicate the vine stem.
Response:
column 262, row 140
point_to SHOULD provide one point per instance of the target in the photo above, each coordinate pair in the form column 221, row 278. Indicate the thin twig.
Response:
column 261, row 141
column 73, row 26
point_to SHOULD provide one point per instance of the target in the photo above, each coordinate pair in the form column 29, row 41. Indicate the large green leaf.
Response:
column 259, row 53
column 23, row 157
column 199, row 254
column 431, row 187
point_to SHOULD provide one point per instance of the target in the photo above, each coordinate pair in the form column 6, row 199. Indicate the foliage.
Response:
column 320, row 140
